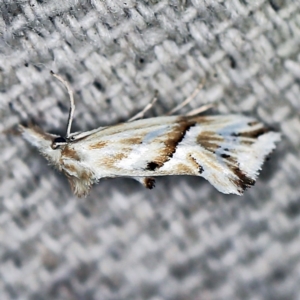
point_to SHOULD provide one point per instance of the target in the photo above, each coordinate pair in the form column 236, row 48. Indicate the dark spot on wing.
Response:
column 224, row 155
column 200, row 168
column 171, row 142
column 253, row 123
column 151, row 166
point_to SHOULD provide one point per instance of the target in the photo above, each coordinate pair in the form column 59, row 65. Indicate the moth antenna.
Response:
column 188, row 99
column 72, row 103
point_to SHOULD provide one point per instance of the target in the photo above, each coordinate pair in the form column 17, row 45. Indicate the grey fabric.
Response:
column 184, row 239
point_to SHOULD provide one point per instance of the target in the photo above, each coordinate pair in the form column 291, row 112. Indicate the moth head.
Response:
column 58, row 142
column 49, row 145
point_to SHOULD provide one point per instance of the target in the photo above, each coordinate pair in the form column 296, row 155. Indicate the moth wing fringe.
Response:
column 232, row 155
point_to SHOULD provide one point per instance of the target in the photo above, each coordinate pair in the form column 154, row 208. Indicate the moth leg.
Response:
column 187, row 100
column 147, row 107
column 199, row 110
column 147, row 182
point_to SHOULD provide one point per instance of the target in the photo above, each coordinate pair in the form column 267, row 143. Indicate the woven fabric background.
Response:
column 184, row 239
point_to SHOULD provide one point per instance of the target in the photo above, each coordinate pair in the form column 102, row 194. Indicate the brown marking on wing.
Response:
column 125, row 141
column 230, row 159
column 207, row 158
column 209, row 140
column 185, row 169
column 239, row 179
column 97, row 145
column 86, row 175
column 200, row 119
column 171, row 141
column 131, row 141
column 110, row 161
column 242, row 181
column 197, row 167
column 68, row 152
column 71, row 168
column 252, row 133
column 246, row 141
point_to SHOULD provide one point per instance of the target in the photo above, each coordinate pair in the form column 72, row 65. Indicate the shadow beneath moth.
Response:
column 227, row 150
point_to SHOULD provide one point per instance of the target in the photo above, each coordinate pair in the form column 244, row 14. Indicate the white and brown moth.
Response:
column 227, row 150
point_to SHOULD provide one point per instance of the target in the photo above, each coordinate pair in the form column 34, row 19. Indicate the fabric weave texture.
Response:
column 183, row 239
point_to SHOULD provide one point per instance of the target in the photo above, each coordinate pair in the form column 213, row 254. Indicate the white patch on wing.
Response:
column 227, row 154
column 226, row 150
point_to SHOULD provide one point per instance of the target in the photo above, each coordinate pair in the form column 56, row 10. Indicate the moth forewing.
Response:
column 227, row 150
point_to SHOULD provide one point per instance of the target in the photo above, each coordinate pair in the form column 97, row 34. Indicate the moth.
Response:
column 227, row 150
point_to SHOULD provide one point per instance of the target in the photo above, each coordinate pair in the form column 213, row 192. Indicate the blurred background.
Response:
column 184, row 239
